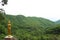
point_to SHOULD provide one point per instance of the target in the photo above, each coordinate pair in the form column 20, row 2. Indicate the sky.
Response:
column 49, row 9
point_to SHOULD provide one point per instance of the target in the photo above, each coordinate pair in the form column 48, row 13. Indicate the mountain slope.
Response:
column 30, row 23
column 27, row 28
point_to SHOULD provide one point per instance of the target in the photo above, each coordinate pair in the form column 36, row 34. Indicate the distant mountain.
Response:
column 58, row 22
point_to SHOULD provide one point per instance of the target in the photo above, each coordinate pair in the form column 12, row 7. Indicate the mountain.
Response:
column 58, row 22
column 26, row 28
column 30, row 21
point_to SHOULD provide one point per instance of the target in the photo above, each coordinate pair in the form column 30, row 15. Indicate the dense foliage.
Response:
column 4, row 2
column 29, row 28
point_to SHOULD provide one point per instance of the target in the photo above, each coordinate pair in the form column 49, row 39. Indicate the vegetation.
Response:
column 4, row 2
column 29, row 28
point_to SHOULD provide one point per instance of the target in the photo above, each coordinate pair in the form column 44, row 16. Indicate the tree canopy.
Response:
column 4, row 2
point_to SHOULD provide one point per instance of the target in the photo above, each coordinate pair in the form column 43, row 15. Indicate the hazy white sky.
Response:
column 49, row 9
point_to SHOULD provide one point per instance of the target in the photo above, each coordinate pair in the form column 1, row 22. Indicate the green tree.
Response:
column 1, row 17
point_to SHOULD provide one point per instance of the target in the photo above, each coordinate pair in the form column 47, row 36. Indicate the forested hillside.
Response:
column 29, row 28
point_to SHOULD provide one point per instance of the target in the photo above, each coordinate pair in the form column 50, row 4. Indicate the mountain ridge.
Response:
column 24, row 28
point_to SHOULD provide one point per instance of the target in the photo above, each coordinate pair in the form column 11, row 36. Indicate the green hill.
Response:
column 30, row 25
column 30, row 21
column 26, row 28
